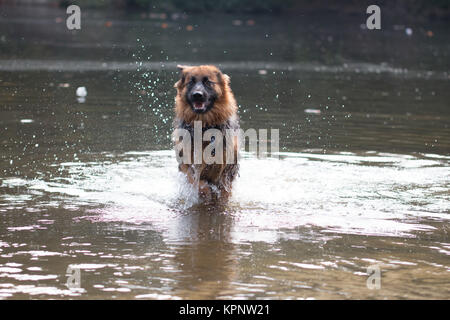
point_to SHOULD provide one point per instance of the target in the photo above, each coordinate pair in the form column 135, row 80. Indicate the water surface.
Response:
column 93, row 184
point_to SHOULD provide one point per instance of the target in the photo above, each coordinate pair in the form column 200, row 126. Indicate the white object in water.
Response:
column 314, row 111
column 81, row 92
column 408, row 31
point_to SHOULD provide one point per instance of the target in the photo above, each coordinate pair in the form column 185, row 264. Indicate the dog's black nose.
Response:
column 197, row 95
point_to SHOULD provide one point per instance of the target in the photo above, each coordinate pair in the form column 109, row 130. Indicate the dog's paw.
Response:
column 204, row 190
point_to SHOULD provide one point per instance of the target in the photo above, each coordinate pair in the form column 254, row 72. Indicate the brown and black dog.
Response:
column 204, row 94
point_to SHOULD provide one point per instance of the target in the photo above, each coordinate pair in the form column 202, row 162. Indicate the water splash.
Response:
column 370, row 193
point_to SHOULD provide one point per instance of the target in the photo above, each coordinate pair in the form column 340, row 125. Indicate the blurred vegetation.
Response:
column 190, row 6
column 215, row 5
column 431, row 8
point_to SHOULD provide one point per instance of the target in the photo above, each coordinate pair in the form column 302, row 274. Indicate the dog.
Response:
column 204, row 94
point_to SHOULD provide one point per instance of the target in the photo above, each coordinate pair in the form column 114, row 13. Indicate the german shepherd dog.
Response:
column 204, row 94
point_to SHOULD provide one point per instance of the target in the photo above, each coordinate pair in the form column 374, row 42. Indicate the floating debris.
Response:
column 26, row 120
column 313, row 111
column 63, row 85
column 81, row 92
column 408, row 31
column 189, row 28
column 262, row 72
column 108, row 24
column 250, row 22
column 236, row 22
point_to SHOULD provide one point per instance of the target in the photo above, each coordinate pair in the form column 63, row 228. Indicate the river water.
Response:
column 361, row 179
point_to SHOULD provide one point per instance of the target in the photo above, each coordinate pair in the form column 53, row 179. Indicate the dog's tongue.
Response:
column 198, row 105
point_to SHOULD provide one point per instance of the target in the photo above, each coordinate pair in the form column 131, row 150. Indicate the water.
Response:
column 93, row 185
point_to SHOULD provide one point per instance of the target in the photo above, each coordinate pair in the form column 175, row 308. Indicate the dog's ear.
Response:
column 182, row 68
column 223, row 78
column 226, row 78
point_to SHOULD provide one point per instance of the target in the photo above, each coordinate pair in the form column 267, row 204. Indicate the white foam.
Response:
column 370, row 194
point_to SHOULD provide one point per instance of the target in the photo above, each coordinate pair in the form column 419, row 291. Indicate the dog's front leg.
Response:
column 193, row 173
column 204, row 190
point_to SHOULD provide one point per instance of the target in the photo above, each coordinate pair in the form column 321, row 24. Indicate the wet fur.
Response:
column 214, row 181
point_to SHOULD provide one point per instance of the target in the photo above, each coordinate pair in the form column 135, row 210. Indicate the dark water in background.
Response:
column 94, row 185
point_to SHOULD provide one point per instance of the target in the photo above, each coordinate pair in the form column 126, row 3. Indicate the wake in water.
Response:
column 370, row 193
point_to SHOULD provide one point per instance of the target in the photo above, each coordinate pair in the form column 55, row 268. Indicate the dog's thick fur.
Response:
column 218, row 111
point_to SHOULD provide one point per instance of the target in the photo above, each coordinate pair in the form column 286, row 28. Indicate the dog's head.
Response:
column 202, row 88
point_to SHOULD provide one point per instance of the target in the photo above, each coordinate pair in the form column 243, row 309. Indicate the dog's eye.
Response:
column 207, row 81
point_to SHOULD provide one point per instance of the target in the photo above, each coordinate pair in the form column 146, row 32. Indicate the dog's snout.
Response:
column 197, row 95
column 198, row 91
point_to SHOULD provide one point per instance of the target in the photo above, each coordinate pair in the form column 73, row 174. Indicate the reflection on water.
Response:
column 362, row 177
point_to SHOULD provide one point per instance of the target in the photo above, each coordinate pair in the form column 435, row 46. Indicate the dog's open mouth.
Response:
column 199, row 106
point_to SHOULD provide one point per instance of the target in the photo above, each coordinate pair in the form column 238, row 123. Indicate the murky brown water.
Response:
column 93, row 185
